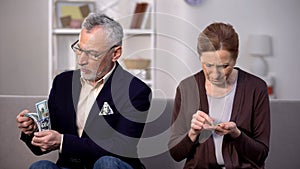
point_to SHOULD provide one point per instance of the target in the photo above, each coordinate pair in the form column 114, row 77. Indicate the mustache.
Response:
column 98, row 73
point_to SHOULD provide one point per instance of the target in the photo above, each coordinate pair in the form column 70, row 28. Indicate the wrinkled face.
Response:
column 94, row 42
column 217, row 66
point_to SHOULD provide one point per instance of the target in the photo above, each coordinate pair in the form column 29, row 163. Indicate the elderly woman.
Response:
column 221, row 115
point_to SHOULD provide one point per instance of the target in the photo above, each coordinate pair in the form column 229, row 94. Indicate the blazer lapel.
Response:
column 105, row 94
column 76, row 88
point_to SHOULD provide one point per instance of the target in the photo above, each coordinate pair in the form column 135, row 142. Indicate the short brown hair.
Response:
column 218, row 36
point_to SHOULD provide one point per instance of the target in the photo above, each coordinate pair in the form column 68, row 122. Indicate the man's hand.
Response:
column 47, row 140
column 25, row 124
column 228, row 128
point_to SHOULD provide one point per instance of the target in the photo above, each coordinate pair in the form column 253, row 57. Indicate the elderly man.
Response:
column 85, row 137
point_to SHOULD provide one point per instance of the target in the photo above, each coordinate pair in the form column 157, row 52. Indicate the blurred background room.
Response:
column 160, row 49
column 28, row 27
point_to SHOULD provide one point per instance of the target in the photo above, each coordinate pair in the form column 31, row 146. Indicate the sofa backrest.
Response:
column 284, row 144
column 153, row 146
column 285, row 138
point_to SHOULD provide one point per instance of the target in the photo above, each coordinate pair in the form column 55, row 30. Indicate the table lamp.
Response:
column 260, row 46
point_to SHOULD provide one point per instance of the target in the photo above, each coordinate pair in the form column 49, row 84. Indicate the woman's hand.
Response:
column 228, row 128
column 199, row 122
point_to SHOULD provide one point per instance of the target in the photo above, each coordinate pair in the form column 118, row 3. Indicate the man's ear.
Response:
column 117, row 53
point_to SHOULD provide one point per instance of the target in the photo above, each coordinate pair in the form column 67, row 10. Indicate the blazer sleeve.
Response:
column 27, row 139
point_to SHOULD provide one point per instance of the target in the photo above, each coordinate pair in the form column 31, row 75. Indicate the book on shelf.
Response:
column 140, row 17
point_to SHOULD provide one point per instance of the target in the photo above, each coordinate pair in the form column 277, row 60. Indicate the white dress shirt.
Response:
column 87, row 98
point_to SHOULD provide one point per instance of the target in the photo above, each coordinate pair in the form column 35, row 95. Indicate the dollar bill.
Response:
column 42, row 116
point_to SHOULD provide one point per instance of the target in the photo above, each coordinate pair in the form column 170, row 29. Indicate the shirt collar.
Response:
column 100, row 81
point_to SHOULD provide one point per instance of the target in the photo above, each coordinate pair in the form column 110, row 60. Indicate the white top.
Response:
column 220, row 109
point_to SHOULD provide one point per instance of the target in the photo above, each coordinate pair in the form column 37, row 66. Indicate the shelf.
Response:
column 138, row 31
column 70, row 31
column 137, row 42
column 64, row 31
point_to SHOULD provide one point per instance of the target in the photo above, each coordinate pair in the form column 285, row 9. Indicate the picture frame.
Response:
column 70, row 14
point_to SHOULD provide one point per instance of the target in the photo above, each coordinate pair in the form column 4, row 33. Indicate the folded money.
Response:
column 41, row 117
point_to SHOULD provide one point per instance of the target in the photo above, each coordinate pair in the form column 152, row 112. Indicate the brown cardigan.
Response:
column 251, row 113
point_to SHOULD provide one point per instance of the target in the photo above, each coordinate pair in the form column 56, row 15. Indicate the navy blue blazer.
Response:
column 116, row 134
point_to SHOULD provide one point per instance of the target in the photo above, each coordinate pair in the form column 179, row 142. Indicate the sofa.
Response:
column 284, row 147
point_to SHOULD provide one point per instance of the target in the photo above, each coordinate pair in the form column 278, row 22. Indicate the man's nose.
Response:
column 82, row 59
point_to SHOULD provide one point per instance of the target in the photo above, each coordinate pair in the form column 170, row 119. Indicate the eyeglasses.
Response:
column 90, row 53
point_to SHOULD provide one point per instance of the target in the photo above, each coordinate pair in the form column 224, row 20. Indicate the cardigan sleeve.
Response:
column 180, row 145
column 254, row 145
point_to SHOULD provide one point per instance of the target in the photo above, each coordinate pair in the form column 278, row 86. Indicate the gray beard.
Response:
column 95, row 75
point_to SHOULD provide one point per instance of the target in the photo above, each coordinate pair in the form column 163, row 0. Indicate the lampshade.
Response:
column 260, row 45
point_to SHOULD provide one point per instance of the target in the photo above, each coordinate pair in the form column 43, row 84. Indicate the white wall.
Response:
column 23, row 42
column 278, row 19
column 23, row 47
